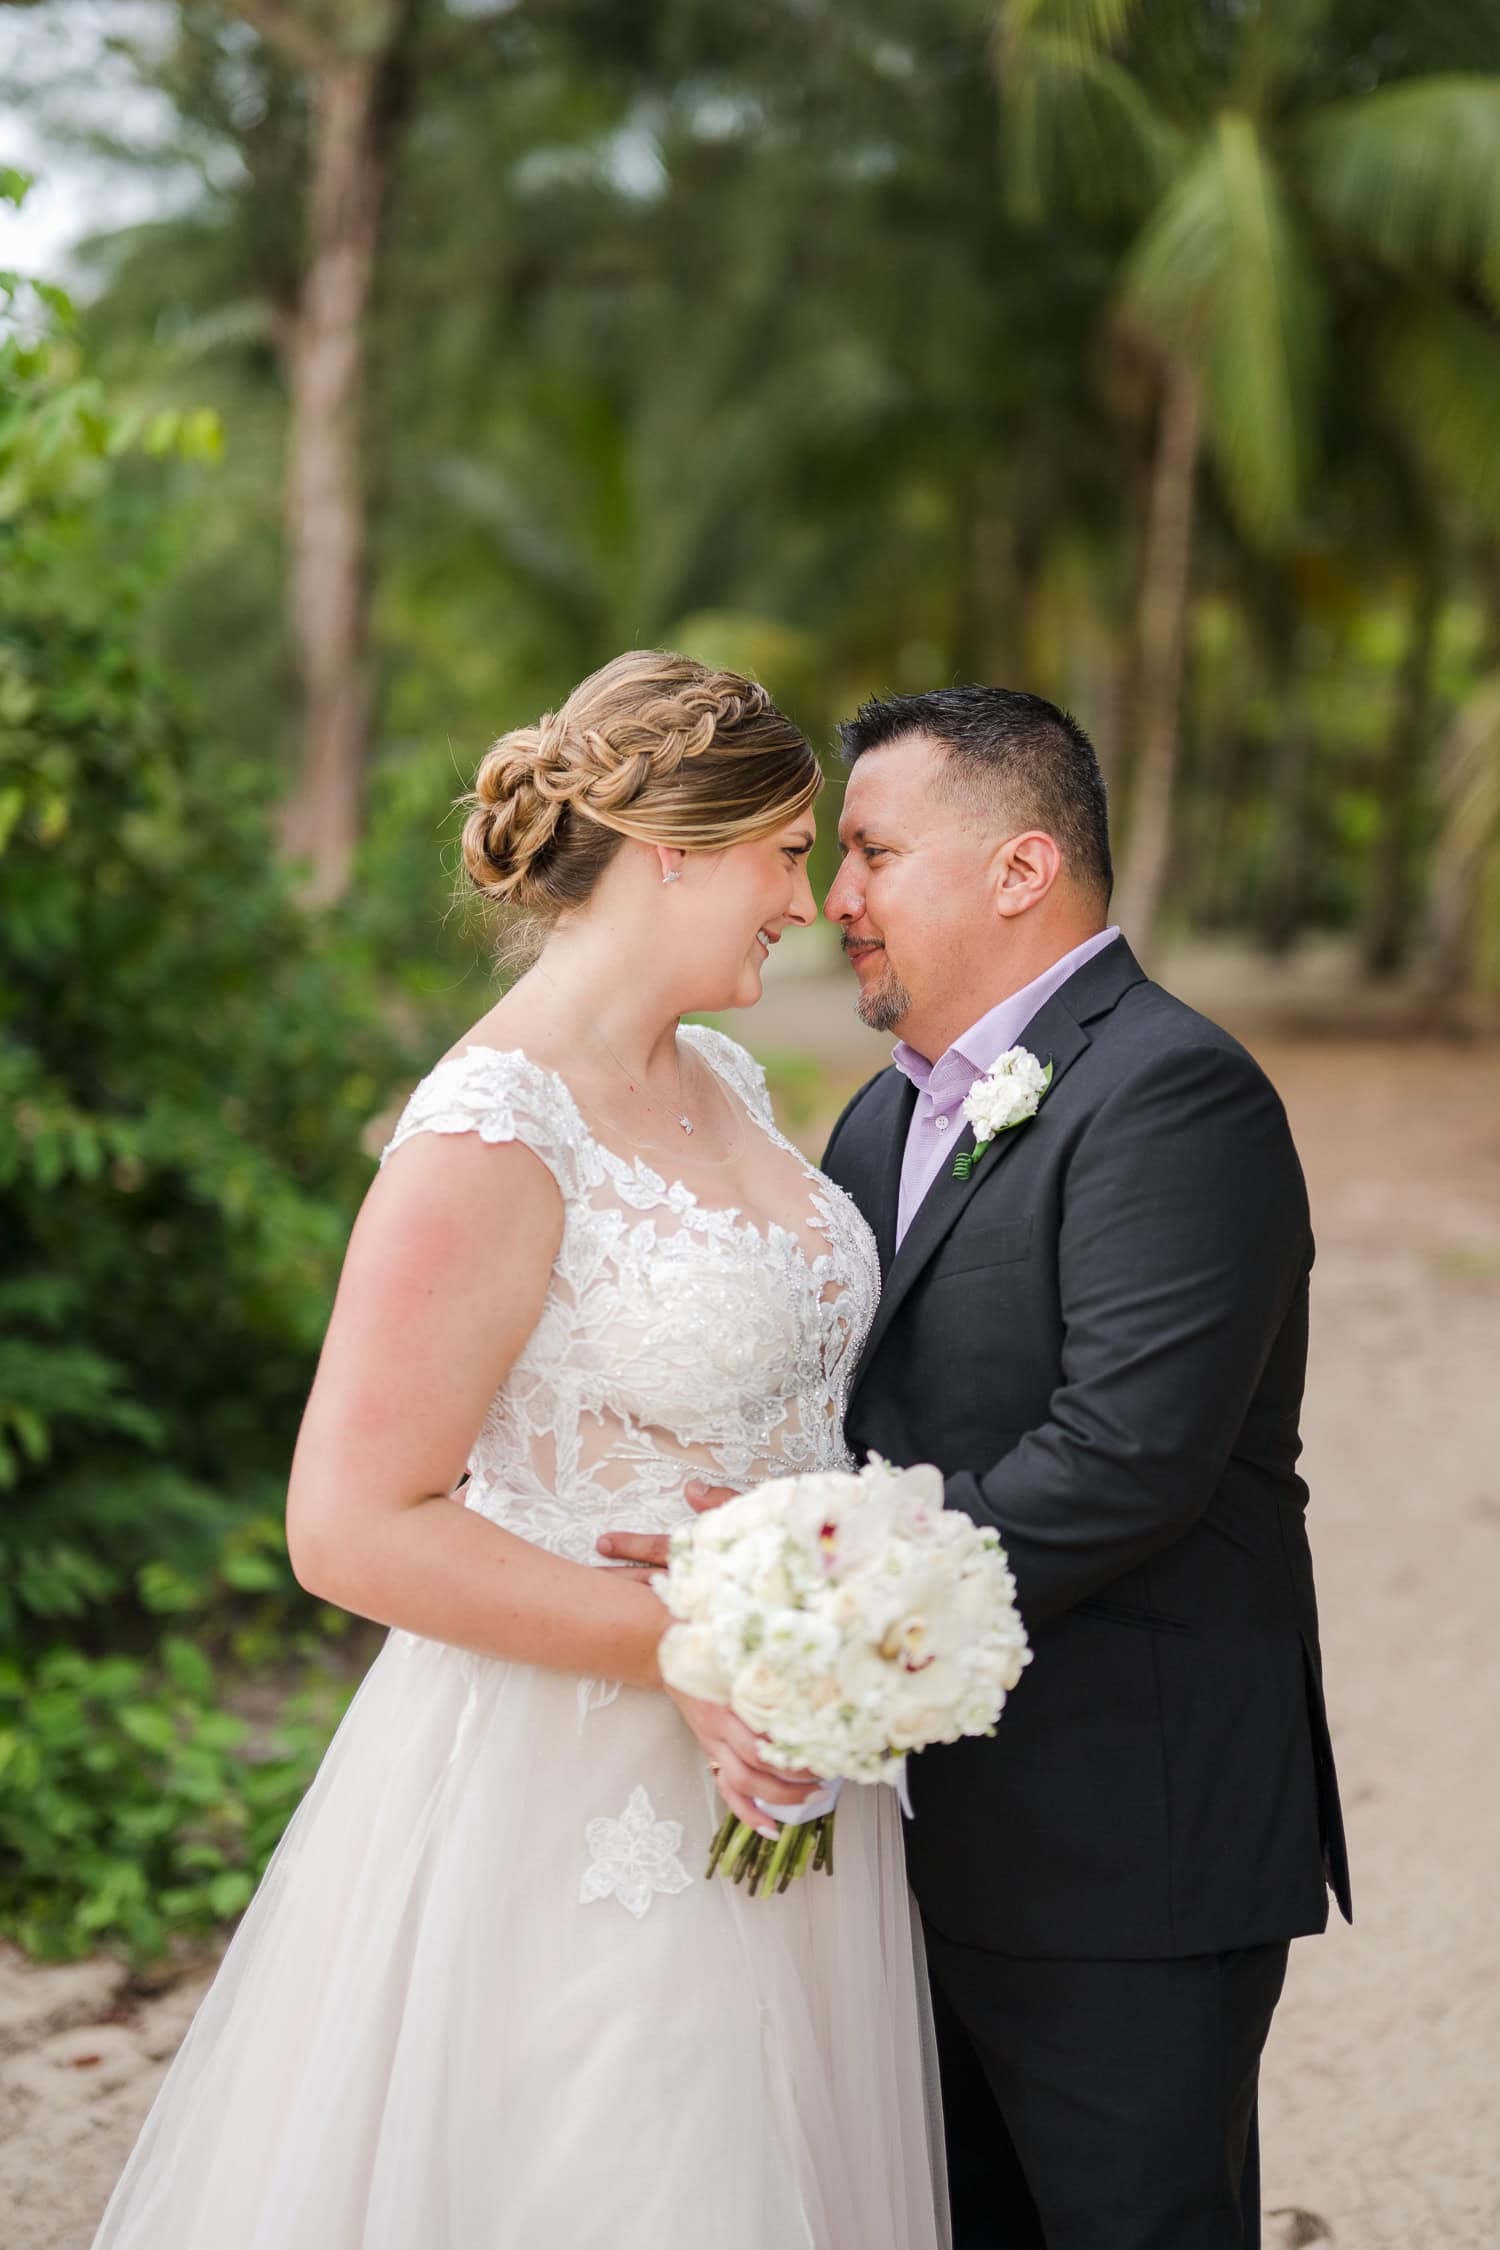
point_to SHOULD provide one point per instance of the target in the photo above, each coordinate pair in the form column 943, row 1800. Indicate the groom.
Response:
column 1099, row 1334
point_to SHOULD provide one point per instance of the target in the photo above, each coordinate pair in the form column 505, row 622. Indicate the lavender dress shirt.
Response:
column 942, row 1086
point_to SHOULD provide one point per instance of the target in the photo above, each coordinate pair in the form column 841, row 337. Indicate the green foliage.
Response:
column 134, row 1808
column 1441, row 374
column 1410, row 171
column 1221, row 275
column 187, row 1065
column 188, row 1061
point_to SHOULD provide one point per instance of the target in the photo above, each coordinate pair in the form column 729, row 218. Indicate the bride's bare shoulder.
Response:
column 515, row 1025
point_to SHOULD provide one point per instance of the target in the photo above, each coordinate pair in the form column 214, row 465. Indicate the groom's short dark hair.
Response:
column 1014, row 754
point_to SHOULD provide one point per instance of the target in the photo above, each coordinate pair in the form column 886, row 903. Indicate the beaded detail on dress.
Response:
column 677, row 1340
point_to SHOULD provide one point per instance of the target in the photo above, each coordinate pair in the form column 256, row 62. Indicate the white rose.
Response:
column 920, row 1485
column 689, row 1664
column 929, row 1722
column 759, row 1693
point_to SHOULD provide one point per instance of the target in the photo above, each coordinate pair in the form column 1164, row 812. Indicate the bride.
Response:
column 484, row 1998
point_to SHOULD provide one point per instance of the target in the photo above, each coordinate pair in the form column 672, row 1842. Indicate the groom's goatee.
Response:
column 884, row 1009
column 885, row 1004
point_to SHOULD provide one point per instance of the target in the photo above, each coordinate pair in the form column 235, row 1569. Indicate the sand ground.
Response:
column 1383, row 2071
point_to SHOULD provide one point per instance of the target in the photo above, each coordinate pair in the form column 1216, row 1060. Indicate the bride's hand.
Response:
column 736, row 1757
column 645, row 1552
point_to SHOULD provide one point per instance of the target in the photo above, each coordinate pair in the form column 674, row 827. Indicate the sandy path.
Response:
column 1381, row 2078
column 1384, row 2064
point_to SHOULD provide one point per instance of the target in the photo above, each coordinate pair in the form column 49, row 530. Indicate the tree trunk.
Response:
column 1281, row 902
column 1100, row 699
column 1467, row 848
column 1161, row 633
column 988, row 582
column 1391, row 917
column 326, row 505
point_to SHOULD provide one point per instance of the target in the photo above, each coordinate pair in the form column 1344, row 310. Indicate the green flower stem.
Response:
column 740, row 1850
column 798, row 1856
column 764, row 1863
column 729, row 1827
column 747, row 1862
column 774, row 1874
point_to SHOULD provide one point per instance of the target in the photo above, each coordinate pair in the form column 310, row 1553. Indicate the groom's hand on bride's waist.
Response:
column 647, row 1550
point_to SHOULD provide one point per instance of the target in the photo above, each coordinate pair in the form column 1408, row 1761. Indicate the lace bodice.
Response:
column 677, row 1339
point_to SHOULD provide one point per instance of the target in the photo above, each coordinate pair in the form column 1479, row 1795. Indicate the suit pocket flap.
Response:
column 984, row 1243
column 1117, row 1612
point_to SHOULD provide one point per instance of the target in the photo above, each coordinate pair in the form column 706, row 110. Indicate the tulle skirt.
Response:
column 484, row 1999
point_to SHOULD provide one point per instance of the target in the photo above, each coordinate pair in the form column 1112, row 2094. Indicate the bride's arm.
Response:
column 444, row 1279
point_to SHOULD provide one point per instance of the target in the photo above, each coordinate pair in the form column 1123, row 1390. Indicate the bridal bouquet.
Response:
column 850, row 1619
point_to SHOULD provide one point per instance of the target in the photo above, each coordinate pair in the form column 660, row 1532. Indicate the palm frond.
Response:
column 1079, row 125
column 1102, row 23
column 1273, row 46
column 1222, row 278
column 1440, row 378
column 1412, row 172
column 1014, row 24
column 248, row 320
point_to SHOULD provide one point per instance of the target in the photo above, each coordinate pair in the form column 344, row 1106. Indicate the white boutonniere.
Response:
column 1005, row 1097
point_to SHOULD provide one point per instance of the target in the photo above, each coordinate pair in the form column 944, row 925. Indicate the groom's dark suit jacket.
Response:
column 1100, row 1338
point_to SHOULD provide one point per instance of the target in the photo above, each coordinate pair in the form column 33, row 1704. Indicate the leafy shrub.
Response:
column 188, row 1061
column 133, row 1807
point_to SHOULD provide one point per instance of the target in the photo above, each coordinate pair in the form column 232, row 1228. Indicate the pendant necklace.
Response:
column 682, row 1118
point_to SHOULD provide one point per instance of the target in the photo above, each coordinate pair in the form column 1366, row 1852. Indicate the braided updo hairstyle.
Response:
column 653, row 746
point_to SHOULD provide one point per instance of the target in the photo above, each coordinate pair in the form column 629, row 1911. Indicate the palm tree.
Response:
column 353, row 59
column 1441, row 378
column 1239, row 192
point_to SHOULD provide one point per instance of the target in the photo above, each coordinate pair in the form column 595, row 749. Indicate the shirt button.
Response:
column 942, row 1123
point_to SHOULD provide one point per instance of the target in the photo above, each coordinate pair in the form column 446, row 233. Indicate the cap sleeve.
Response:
column 502, row 1096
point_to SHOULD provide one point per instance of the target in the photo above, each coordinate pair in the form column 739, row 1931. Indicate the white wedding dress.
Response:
column 484, row 1998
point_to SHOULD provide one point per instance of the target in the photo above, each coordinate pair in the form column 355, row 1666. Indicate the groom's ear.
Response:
column 1023, row 871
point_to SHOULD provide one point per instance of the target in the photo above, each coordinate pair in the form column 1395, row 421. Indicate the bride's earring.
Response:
column 673, row 875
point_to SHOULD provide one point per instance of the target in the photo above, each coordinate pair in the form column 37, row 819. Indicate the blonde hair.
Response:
column 652, row 746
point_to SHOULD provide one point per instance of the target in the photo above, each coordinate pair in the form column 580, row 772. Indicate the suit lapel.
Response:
column 888, row 1194
column 871, row 1152
column 1055, row 1033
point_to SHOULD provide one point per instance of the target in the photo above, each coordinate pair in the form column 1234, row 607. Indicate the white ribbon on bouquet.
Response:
column 814, row 1807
